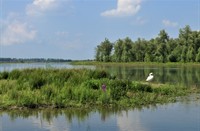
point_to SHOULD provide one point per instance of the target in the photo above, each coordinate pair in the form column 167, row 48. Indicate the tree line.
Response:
column 185, row 48
column 23, row 60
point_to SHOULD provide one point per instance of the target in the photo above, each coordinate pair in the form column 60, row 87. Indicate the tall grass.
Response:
column 59, row 88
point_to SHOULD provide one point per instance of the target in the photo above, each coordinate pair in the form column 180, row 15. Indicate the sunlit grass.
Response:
column 61, row 88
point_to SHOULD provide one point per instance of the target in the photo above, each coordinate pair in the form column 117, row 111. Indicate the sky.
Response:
column 71, row 29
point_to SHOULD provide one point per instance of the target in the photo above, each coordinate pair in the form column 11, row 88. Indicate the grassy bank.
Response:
column 61, row 88
column 96, row 63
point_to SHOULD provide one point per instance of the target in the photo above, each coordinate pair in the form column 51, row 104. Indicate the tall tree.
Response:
column 127, row 48
column 98, row 53
column 162, row 51
column 184, row 35
column 103, row 51
column 198, row 56
column 140, row 49
column 118, row 50
column 106, row 48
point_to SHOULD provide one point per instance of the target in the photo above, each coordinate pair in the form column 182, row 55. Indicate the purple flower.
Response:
column 104, row 87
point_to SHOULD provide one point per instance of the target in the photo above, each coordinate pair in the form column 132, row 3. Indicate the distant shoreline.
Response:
column 30, row 60
column 134, row 63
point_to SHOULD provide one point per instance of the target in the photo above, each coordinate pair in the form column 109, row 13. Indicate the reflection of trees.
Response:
column 80, row 115
column 182, row 75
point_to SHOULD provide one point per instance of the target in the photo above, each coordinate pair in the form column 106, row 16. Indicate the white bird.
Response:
column 150, row 77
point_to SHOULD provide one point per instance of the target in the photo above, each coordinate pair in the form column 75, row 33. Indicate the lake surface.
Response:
column 181, row 116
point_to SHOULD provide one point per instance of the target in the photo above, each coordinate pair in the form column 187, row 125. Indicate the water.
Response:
column 181, row 75
column 180, row 116
column 12, row 66
column 183, row 115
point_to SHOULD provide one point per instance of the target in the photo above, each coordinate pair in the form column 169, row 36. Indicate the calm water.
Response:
column 12, row 66
column 182, row 75
column 181, row 116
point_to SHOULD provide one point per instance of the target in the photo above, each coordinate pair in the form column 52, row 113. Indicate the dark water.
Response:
column 180, row 116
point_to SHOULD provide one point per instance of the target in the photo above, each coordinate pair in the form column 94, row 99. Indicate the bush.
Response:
column 98, row 74
column 37, row 82
column 141, row 87
column 119, row 88
column 15, row 74
column 4, row 75
column 92, row 84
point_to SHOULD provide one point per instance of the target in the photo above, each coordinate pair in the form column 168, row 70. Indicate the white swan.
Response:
column 150, row 77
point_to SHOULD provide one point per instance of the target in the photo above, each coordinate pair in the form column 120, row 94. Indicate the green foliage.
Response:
column 60, row 88
column 160, row 49
column 92, row 84
column 198, row 56
column 103, row 51
column 141, row 87
column 15, row 74
column 4, row 75
column 119, row 89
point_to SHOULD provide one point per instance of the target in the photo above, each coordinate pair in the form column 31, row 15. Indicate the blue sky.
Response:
column 71, row 29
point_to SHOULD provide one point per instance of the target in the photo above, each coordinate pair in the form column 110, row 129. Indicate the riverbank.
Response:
column 96, row 63
column 63, row 88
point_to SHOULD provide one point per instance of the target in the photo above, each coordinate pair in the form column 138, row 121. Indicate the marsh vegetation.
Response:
column 62, row 88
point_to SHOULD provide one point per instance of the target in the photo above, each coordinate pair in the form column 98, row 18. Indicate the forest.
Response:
column 185, row 48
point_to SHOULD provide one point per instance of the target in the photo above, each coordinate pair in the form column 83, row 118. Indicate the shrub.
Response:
column 141, row 87
column 15, row 74
column 92, row 84
column 4, row 75
column 37, row 82
column 119, row 88
column 98, row 74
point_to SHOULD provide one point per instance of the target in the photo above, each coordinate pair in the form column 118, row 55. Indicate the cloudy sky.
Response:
column 71, row 29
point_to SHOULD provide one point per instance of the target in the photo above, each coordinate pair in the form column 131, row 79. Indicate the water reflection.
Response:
column 12, row 66
column 183, row 115
column 130, row 121
column 182, row 75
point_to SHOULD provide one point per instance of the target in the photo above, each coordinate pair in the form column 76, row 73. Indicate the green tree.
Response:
column 118, row 50
column 140, row 49
column 98, row 53
column 150, row 51
column 191, row 55
column 198, row 56
column 127, row 48
column 162, row 51
column 183, row 55
column 184, row 35
column 103, row 51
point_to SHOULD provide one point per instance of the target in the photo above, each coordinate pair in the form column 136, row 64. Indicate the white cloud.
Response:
column 124, row 8
column 16, row 33
column 38, row 7
column 169, row 23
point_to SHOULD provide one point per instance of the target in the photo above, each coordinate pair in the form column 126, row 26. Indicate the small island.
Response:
column 85, row 88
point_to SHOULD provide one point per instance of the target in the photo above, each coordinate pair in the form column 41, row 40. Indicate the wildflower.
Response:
column 104, row 87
